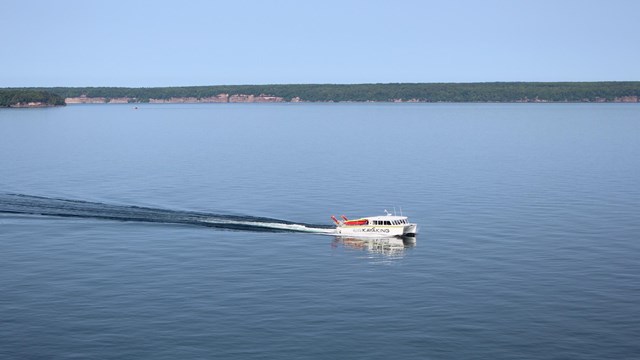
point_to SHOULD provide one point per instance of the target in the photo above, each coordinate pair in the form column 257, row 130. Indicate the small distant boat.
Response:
column 379, row 226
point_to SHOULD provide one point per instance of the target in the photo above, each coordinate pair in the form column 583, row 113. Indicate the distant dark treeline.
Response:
column 15, row 97
column 425, row 92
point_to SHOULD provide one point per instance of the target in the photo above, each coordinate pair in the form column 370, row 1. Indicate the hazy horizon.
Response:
column 294, row 84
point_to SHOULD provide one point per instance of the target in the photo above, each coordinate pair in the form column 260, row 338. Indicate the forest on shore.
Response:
column 406, row 92
column 29, row 98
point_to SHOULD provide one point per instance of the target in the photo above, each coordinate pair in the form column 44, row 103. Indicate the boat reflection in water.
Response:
column 388, row 246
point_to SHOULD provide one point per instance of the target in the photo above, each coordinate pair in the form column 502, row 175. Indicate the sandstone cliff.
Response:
column 220, row 98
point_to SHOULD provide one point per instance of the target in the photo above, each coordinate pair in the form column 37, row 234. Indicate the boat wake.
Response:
column 37, row 205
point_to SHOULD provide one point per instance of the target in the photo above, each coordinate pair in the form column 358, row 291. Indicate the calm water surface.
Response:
column 528, row 243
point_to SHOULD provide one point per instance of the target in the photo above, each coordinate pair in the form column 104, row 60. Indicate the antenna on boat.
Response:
column 400, row 210
column 394, row 211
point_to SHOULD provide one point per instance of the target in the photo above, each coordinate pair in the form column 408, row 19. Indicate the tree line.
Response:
column 13, row 97
column 424, row 92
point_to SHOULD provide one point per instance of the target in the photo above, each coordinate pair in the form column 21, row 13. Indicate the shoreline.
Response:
column 251, row 99
column 32, row 105
column 497, row 92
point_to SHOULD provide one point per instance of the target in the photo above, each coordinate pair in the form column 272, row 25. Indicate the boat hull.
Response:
column 378, row 230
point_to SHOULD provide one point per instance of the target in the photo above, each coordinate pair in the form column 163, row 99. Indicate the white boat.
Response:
column 379, row 226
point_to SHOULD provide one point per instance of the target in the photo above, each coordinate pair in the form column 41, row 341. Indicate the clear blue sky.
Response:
column 175, row 43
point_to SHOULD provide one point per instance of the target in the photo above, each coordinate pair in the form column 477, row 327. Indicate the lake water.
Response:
column 528, row 243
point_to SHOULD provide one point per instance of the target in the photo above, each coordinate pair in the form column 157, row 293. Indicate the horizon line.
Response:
column 339, row 84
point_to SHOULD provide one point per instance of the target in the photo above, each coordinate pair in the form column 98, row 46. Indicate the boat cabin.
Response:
column 389, row 222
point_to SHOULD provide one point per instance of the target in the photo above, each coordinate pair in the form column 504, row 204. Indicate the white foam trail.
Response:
column 292, row 227
column 279, row 226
